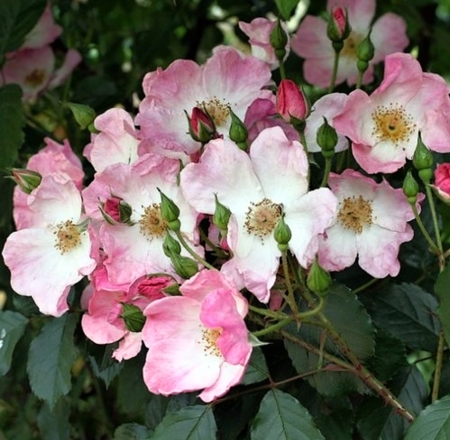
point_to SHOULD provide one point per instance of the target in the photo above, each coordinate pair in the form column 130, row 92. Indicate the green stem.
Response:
column 335, row 70
column 291, row 297
column 191, row 252
column 218, row 251
column 326, row 173
column 273, row 328
column 365, row 286
column 423, row 229
column 359, row 80
column 282, row 70
column 435, row 219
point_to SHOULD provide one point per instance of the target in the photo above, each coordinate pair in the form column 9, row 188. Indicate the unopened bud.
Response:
column 83, row 114
column 238, row 131
column 133, row 317
column 201, row 126
column 278, row 40
column 423, row 161
column 410, row 188
column 185, row 267
column 221, row 216
column 171, row 246
column 365, row 52
column 327, row 138
column 318, row 280
column 169, row 212
column 282, row 234
column 338, row 28
column 27, row 180
column 115, row 210
column 291, row 102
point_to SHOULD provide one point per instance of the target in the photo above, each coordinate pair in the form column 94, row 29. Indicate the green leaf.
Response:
column 189, row 423
column 380, row 421
column 12, row 327
column 433, row 423
column 131, row 431
column 281, row 416
column 50, row 359
column 104, row 365
column 407, row 312
column 442, row 292
column 17, row 18
column 54, row 425
column 257, row 369
column 12, row 119
column 286, row 7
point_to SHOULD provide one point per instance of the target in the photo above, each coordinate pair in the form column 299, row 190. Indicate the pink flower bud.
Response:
column 201, row 126
column 27, row 180
column 338, row 26
column 115, row 210
column 291, row 102
column 442, row 182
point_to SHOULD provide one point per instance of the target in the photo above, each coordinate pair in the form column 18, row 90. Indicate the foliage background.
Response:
column 56, row 385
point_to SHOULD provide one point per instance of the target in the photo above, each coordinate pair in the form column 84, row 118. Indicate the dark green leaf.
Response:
column 257, row 369
column 380, row 421
column 442, row 291
column 131, row 431
column 17, row 18
column 433, row 423
column 286, row 7
column 104, row 365
column 190, row 423
column 12, row 120
column 281, row 416
column 12, row 326
column 407, row 312
column 54, row 425
column 50, row 359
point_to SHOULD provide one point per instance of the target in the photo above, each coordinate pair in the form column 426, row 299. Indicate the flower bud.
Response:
column 327, row 138
column 423, row 161
column 115, row 210
column 201, row 126
column 318, row 280
column 278, row 40
column 442, row 182
column 221, row 216
column 171, row 246
column 364, row 52
column 185, row 267
column 410, row 188
column 169, row 212
column 238, row 131
column 27, row 180
column 83, row 114
column 292, row 104
column 338, row 28
column 282, row 234
column 133, row 317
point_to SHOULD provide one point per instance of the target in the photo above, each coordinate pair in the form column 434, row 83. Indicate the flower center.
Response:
column 355, row 213
column 151, row 223
column 393, row 124
column 209, row 339
column 35, row 78
column 68, row 236
column 217, row 110
column 262, row 217
column 351, row 45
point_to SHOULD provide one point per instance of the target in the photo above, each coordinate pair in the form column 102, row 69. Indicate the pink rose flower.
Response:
column 384, row 126
column 311, row 42
column 442, row 182
column 370, row 224
column 198, row 340
column 291, row 101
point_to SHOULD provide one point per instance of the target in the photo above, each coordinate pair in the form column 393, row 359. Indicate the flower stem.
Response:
column 423, row 229
column 291, row 297
column 191, row 252
column 335, row 70
column 282, row 70
column 326, row 173
column 438, row 368
column 435, row 224
column 359, row 80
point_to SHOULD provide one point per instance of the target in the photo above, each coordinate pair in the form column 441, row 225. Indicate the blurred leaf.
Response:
column 257, row 369
column 433, row 423
column 52, row 354
column 190, row 423
column 131, row 431
column 156, row 410
column 12, row 327
column 281, row 416
column 407, row 312
column 286, row 7
column 54, row 425
column 104, row 365
column 12, row 119
column 17, row 18
column 380, row 421
column 442, row 292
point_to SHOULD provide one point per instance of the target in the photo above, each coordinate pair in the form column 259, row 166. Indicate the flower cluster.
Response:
column 205, row 200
